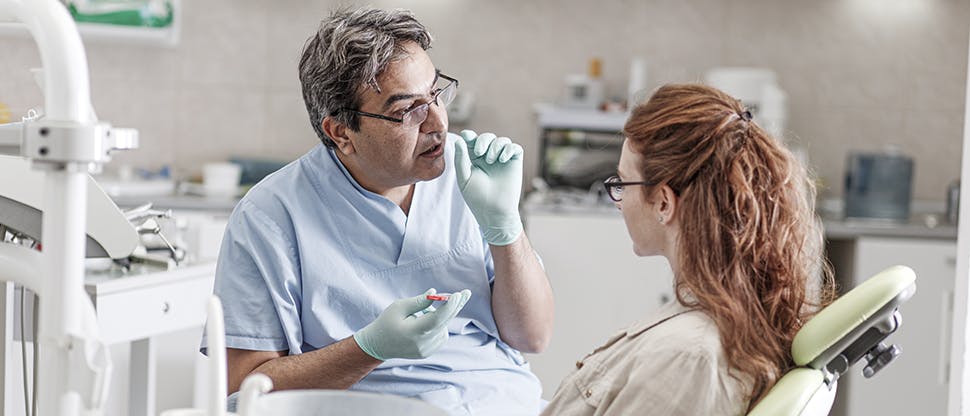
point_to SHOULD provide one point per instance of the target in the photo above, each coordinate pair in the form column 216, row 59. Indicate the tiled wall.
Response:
column 859, row 73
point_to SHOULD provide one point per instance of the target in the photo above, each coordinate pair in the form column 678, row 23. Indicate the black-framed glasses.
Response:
column 614, row 187
column 416, row 115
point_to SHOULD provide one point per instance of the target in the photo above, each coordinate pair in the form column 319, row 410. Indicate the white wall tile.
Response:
column 934, row 137
column 287, row 133
column 856, row 76
column 150, row 109
column 130, row 63
column 289, row 24
column 213, row 122
column 224, row 42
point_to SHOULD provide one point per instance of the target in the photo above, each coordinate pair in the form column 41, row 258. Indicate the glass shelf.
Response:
column 565, row 118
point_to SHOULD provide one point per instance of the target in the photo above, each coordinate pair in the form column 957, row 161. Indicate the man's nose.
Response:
column 437, row 120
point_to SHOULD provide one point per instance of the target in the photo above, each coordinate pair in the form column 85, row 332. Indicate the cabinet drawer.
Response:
column 142, row 312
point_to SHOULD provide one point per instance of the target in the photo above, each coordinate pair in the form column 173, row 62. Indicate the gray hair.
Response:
column 346, row 54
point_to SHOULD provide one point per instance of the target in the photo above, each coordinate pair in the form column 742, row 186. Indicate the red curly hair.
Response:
column 750, row 245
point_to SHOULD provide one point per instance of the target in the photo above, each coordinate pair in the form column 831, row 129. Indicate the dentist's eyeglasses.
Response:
column 614, row 187
column 419, row 113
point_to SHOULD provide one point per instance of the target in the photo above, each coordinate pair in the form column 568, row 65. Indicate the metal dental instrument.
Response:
column 150, row 226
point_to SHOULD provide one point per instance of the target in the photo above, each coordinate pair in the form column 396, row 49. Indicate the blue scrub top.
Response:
column 310, row 257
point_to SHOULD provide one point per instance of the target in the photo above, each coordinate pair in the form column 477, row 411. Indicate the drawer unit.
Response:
column 142, row 312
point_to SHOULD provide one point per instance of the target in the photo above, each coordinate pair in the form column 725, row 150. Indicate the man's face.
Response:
column 389, row 154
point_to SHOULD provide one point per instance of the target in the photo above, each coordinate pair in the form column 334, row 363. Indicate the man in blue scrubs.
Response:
column 326, row 264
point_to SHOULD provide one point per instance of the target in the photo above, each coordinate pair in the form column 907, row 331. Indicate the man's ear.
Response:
column 338, row 132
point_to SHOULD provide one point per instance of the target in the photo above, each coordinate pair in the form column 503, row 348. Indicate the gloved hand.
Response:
column 399, row 333
column 490, row 179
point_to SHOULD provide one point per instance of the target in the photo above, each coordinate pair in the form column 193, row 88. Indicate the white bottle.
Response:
column 637, row 88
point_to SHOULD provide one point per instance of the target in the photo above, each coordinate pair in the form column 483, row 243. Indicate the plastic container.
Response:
column 221, row 179
column 340, row 402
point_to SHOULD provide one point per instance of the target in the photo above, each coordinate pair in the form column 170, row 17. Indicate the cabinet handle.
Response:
column 946, row 318
column 166, row 307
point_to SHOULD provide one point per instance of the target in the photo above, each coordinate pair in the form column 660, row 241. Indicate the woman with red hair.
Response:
column 732, row 211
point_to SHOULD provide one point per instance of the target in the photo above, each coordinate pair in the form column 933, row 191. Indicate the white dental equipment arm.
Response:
column 216, row 335
column 65, row 144
column 20, row 266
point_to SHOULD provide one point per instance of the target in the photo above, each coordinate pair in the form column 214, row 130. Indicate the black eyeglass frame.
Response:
column 434, row 100
column 613, row 182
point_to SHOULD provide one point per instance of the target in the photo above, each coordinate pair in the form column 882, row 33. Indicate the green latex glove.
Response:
column 490, row 179
column 399, row 333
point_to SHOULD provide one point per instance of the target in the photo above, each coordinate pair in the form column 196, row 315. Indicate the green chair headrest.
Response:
column 889, row 288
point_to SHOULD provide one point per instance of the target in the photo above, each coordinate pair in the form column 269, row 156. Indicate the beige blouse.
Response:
column 669, row 364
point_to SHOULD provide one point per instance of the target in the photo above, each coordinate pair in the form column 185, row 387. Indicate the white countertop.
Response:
column 187, row 202
column 841, row 229
column 114, row 279
column 920, row 226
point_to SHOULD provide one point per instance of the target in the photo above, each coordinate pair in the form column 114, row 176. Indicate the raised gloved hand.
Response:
column 400, row 332
column 490, row 179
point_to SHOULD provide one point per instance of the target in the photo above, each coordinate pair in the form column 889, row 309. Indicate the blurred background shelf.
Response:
column 578, row 147
column 167, row 37
column 564, row 118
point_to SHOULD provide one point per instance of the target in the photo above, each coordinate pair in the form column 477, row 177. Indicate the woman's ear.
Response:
column 338, row 132
column 667, row 204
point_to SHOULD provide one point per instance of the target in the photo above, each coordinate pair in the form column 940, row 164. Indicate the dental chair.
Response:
column 848, row 330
